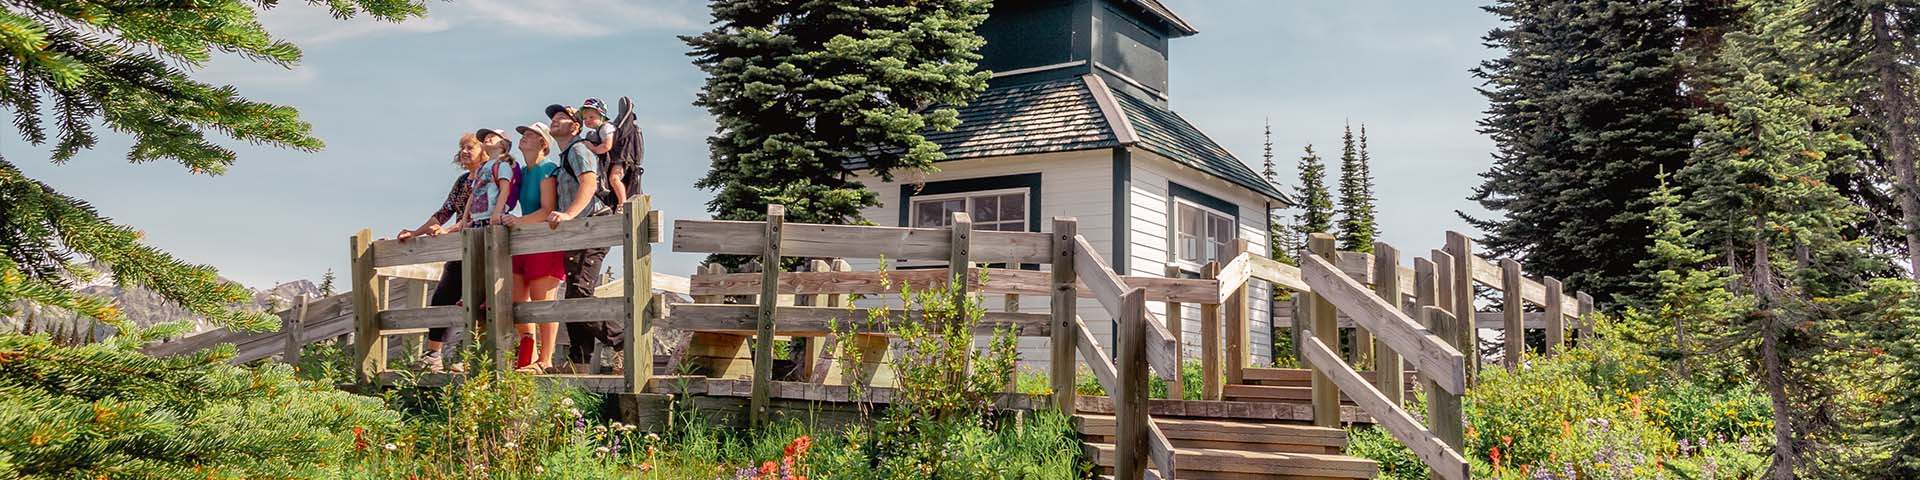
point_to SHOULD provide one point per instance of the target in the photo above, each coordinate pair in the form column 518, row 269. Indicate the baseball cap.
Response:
column 556, row 108
column 482, row 134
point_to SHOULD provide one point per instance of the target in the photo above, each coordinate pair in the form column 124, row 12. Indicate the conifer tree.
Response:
column 326, row 283
column 802, row 88
column 1357, row 227
column 1586, row 106
column 1281, row 240
column 1875, row 47
column 104, row 410
column 1760, row 190
column 1316, row 204
column 1686, row 302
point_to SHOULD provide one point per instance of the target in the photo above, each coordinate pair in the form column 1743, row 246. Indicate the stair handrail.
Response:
column 1133, row 422
column 1443, row 366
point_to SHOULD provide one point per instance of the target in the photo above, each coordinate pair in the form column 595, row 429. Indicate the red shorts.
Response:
column 541, row 265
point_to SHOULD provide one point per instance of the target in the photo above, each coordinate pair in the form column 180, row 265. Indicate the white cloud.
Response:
column 583, row 18
column 307, row 25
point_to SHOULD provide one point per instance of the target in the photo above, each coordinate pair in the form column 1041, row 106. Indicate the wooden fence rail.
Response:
column 1144, row 345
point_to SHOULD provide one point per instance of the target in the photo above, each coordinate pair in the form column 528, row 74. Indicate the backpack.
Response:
column 513, row 185
column 629, row 150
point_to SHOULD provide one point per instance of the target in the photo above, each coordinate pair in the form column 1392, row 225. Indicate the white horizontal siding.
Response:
column 1072, row 184
column 1149, row 234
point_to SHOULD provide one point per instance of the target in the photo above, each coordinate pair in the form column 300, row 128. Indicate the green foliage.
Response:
column 1316, row 205
column 1397, row 462
column 1686, row 302
column 1357, row 225
column 103, row 411
column 124, row 65
column 1586, row 106
column 802, row 88
column 940, row 377
column 1282, row 239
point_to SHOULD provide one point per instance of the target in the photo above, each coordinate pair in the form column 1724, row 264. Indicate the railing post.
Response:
column 1388, row 370
column 1459, row 299
column 1586, row 316
column 295, row 328
column 369, row 347
column 499, row 271
column 1556, row 321
column 1066, row 342
column 473, row 285
column 1237, row 308
column 770, row 266
column 1326, row 395
column 1130, row 403
column 1513, row 314
column 959, row 264
column 1445, row 416
column 1210, row 377
column 637, row 251
column 1176, row 389
column 808, row 365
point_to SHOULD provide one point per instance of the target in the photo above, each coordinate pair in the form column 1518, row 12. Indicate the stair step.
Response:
column 1225, row 434
column 1209, row 463
column 1300, row 377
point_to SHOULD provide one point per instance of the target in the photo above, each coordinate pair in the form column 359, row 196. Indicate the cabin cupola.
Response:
column 1124, row 41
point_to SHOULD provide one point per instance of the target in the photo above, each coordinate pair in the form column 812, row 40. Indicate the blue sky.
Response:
column 391, row 99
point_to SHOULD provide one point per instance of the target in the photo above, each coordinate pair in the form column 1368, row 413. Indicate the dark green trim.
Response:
column 1122, row 207
column 1029, row 181
column 1182, row 192
column 1122, row 220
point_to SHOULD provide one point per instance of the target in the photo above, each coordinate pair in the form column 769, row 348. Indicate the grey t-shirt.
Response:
column 595, row 136
column 575, row 160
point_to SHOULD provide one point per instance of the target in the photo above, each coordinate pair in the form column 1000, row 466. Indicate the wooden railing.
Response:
column 487, row 272
column 1399, row 316
column 1076, row 271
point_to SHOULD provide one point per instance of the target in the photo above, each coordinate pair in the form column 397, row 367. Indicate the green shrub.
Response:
column 108, row 411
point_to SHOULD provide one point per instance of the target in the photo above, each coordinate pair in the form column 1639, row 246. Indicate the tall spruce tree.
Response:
column 1357, row 228
column 1281, row 239
column 1760, row 192
column 1586, row 108
column 799, row 89
column 1685, row 302
column 104, row 410
column 1875, row 47
column 1316, row 204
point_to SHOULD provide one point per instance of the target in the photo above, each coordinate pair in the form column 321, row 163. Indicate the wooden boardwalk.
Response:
column 1252, row 422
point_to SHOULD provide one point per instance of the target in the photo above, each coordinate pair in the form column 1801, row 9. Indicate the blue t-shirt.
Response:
column 486, row 188
column 530, row 179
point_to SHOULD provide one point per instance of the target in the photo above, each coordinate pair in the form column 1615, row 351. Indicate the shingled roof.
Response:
column 1065, row 115
column 1168, row 134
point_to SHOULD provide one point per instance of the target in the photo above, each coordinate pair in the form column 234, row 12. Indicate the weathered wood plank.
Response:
column 423, row 271
column 369, row 347
column 641, row 305
column 1130, row 401
column 853, row 241
column 1460, row 295
column 997, row 281
column 1064, row 313
column 572, row 310
column 1387, row 363
column 1211, row 388
column 1429, row 353
column 1238, row 321
column 579, row 233
column 816, row 321
column 1513, row 310
column 1286, row 276
column 432, row 249
column 1326, row 394
column 1431, row 450
column 1177, row 387
column 1557, row 325
column 772, row 239
column 499, row 280
column 1107, row 289
column 429, row 317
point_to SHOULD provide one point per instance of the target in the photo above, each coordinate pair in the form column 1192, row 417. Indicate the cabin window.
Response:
column 1200, row 234
column 1004, row 210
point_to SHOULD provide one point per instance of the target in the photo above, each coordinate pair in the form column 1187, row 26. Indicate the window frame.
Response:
column 1208, row 215
column 1026, row 205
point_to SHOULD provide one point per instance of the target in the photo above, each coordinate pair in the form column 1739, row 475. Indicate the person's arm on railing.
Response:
column 448, row 209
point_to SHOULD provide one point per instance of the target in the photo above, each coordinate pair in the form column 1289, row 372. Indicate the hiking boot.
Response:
column 431, row 362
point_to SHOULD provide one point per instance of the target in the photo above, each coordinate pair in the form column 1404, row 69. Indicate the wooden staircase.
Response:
column 1227, row 448
column 1292, row 385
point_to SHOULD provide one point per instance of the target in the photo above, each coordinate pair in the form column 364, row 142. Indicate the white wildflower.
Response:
column 508, row 446
column 391, row 447
column 566, row 402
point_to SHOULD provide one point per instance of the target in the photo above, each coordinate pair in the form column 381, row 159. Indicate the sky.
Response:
column 390, row 101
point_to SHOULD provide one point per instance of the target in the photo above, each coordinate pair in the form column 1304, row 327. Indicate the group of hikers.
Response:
column 579, row 163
